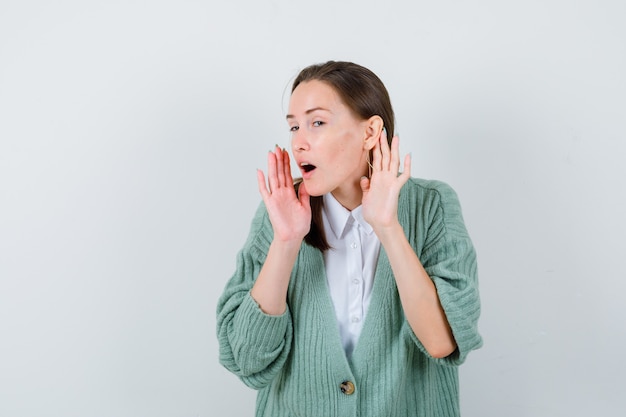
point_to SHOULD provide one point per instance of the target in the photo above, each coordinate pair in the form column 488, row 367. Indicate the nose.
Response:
column 299, row 141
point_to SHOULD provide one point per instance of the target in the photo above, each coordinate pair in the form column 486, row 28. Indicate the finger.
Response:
column 384, row 150
column 280, row 166
column 260, row 177
column 395, row 154
column 376, row 157
column 406, row 173
column 303, row 196
column 271, row 172
column 365, row 184
column 287, row 165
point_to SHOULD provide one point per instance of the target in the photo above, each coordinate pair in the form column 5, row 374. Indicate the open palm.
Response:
column 290, row 214
column 381, row 191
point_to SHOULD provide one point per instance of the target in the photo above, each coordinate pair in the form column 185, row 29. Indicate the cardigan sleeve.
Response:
column 449, row 258
column 252, row 345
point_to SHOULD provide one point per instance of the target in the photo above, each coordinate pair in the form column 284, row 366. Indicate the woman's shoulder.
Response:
column 427, row 189
column 433, row 201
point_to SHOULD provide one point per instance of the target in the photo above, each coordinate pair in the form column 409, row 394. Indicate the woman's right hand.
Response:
column 291, row 220
column 289, row 213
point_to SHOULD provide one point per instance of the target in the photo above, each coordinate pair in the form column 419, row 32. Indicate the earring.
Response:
column 369, row 164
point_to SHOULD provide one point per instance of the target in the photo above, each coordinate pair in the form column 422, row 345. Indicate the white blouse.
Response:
column 350, row 267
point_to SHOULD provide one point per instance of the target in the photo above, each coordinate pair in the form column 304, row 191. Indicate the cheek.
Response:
column 345, row 160
column 343, row 151
column 348, row 142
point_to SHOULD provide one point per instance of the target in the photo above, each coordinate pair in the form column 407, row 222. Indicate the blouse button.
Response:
column 347, row 387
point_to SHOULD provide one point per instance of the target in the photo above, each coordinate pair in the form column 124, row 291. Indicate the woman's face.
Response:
column 328, row 142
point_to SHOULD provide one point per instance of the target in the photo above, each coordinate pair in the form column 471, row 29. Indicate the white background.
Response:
column 130, row 132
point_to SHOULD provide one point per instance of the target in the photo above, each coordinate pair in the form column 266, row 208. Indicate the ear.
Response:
column 373, row 128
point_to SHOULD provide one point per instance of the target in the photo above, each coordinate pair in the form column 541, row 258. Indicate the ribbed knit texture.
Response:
column 296, row 360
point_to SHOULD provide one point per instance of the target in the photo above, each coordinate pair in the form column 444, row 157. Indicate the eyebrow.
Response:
column 291, row 116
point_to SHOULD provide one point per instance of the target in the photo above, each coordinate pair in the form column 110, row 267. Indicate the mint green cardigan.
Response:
column 296, row 360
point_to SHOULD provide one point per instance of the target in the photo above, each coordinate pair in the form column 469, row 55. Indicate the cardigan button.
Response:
column 347, row 387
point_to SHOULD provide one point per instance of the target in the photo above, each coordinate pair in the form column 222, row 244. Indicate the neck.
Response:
column 350, row 197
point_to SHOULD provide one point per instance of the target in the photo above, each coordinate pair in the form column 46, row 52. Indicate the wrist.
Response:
column 388, row 232
column 286, row 246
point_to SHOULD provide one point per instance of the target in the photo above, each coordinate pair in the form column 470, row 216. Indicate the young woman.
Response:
column 356, row 291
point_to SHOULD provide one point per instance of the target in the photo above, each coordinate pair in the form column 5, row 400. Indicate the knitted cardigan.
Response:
column 296, row 360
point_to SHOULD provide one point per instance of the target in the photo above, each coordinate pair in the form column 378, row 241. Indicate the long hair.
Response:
column 366, row 96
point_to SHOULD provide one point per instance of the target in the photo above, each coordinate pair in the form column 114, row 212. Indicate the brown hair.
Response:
column 365, row 95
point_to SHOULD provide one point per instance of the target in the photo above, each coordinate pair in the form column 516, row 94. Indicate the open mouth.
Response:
column 307, row 167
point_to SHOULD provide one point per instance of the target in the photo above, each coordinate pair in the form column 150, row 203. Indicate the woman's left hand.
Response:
column 381, row 191
column 418, row 294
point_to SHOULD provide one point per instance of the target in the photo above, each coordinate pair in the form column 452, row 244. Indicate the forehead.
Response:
column 314, row 94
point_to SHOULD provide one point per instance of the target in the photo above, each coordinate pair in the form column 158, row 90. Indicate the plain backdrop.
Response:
column 131, row 131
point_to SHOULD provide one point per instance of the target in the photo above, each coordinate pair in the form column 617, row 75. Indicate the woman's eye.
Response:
column 318, row 123
column 293, row 128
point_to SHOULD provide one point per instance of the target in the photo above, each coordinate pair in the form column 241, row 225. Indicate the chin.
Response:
column 313, row 190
